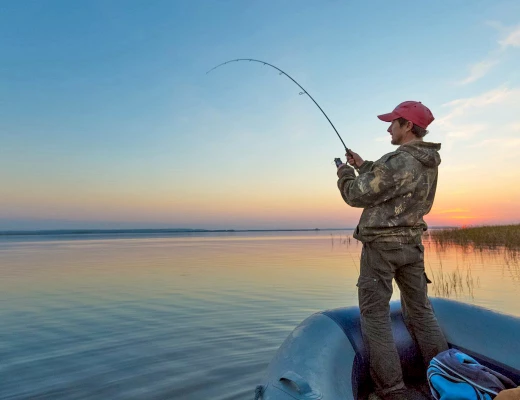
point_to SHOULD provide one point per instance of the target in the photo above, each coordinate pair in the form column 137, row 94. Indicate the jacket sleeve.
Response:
column 365, row 167
column 378, row 182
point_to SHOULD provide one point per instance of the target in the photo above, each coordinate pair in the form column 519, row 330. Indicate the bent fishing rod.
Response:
column 336, row 160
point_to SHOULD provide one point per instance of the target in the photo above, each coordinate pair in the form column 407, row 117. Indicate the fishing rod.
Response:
column 336, row 160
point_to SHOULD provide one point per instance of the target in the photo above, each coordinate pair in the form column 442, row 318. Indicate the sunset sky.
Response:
column 109, row 120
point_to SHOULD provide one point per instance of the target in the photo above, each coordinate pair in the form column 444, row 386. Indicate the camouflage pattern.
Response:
column 395, row 192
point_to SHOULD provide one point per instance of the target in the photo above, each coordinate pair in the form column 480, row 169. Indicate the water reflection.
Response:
column 195, row 317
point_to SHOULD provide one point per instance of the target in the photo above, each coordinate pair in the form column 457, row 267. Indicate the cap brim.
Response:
column 388, row 117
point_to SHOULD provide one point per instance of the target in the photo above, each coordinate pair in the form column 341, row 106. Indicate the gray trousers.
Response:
column 380, row 263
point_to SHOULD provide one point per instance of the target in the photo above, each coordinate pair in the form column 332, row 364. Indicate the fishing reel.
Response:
column 339, row 162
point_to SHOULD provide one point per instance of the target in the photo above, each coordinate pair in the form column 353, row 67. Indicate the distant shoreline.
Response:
column 57, row 232
column 144, row 231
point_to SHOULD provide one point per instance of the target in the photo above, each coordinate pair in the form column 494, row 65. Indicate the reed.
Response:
column 481, row 237
column 455, row 283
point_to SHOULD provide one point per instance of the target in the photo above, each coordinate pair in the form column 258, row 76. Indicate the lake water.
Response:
column 188, row 317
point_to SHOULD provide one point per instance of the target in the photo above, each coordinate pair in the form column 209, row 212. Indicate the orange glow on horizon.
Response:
column 310, row 208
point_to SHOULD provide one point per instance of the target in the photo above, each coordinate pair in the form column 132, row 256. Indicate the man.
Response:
column 395, row 193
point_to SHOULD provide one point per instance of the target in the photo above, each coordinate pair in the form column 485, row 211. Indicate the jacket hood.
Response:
column 425, row 152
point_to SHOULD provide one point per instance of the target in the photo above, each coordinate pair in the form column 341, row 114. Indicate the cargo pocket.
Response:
column 427, row 279
column 367, row 293
column 394, row 253
column 367, row 282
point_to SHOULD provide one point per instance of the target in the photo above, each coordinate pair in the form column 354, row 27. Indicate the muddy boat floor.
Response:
column 420, row 391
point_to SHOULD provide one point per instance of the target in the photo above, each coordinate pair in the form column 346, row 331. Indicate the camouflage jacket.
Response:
column 395, row 192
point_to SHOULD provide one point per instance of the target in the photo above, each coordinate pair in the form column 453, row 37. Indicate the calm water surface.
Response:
column 193, row 317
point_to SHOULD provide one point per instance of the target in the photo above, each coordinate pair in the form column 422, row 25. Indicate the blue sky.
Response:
column 108, row 118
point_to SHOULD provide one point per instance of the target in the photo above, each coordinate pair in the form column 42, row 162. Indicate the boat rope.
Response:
column 259, row 390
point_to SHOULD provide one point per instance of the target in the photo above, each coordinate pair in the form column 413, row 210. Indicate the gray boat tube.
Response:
column 324, row 357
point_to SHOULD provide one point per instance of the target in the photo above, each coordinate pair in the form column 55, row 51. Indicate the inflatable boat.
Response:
column 324, row 357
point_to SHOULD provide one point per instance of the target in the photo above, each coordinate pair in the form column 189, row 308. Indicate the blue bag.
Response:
column 453, row 375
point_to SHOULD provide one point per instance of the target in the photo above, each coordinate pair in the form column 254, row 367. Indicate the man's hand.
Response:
column 344, row 169
column 355, row 160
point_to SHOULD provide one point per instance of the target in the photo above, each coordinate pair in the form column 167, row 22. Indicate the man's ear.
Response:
column 409, row 125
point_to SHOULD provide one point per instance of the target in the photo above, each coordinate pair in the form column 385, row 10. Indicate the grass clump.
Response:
column 446, row 284
column 480, row 237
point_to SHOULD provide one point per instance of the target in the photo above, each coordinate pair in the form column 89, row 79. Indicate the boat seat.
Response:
column 414, row 371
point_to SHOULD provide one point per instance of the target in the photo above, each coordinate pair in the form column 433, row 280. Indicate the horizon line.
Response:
column 170, row 230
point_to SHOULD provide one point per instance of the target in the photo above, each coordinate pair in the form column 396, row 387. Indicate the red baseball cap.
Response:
column 413, row 111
